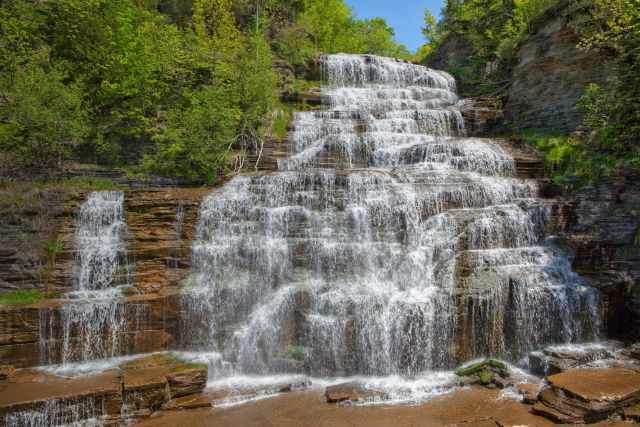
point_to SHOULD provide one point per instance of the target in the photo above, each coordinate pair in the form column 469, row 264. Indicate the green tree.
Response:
column 42, row 118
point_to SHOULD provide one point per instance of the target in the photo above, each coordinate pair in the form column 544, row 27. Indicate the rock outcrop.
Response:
column 589, row 395
column 160, row 222
column 600, row 224
column 557, row 359
column 134, row 390
column 551, row 72
column 489, row 373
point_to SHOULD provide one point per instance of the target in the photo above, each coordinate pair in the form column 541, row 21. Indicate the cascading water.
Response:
column 92, row 321
column 386, row 244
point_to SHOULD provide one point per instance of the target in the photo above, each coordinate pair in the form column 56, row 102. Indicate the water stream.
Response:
column 388, row 244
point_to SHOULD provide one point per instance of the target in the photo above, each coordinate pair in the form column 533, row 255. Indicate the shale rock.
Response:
column 187, row 380
column 352, row 392
column 588, row 395
column 557, row 359
column 489, row 373
column 145, row 390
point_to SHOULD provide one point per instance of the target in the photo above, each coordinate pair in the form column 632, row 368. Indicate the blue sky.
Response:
column 405, row 16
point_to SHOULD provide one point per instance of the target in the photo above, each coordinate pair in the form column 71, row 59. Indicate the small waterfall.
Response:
column 100, row 241
column 80, row 412
column 388, row 243
column 93, row 320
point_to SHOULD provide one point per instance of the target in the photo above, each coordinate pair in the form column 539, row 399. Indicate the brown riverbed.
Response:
column 464, row 408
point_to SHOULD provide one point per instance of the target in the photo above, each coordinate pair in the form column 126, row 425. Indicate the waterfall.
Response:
column 93, row 319
column 387, row 243
column 99, row 241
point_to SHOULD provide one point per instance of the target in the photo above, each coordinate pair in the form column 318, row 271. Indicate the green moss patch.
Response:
column 479, row 368
column 21, row 297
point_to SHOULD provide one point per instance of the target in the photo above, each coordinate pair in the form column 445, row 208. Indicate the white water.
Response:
column 387, row 246
column 92, row 321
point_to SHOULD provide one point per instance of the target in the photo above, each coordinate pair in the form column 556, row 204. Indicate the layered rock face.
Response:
column 123, row 258
column 131, row 390
column 551, row 72
column 600, row 224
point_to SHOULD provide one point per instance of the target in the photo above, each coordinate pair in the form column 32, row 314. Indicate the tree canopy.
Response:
column 174, row 87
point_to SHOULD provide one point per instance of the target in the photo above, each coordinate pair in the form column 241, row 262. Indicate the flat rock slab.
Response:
column 30, row 390
column 352, row 392
column 605, row 384
column 588, row 395
column 34, row 386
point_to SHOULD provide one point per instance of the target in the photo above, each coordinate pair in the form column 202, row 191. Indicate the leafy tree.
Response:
column 41, row 117
column 612, row 110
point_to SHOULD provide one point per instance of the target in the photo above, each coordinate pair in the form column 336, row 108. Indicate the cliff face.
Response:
column 601, row 225
column 551, row 73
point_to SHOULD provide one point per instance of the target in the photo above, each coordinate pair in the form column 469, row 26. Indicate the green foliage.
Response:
column 612, row 110
column 21, row 297
column 564, row 155
column 489, row 30
column 172, row 87
column 41, row 118
column 477, row 368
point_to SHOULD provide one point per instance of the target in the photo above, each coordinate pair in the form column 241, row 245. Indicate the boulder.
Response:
column 588, row 395
column 490, row 373
column 352, row 392
column 529, row 392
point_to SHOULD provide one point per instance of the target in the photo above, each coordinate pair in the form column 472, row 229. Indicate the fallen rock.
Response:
column 490, row 373
column 352, row 392
column 557, row 359
column 529, row 392
column 588, row 395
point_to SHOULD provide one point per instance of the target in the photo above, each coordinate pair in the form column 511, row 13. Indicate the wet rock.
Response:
column 145, row 389
column 557, row 359
column 352, row 392
column 6, row 371
column 34, row 393
column 187, row 380
column 235, row 394
column 588, row 395
column 529, row 392
column 632, row 413
column 633, row 352
column 188, row 402
column 490, row 373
